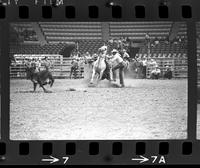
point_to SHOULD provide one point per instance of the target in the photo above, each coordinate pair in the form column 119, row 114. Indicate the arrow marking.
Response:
column 51, row 160
column 141, row 159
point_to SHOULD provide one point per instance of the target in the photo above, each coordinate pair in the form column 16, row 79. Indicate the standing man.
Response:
column 119, row 63
column 74, row 67
column 148, row 43
column 47, row 63
column 168, row 73
column 144, row 67
column 38, row 65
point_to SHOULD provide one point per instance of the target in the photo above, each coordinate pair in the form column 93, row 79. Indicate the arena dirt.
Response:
column 144, row 109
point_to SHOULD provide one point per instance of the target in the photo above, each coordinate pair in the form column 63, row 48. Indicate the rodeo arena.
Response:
column 98, row 80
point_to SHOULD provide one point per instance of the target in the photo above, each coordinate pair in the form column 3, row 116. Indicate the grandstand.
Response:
column 56, row 37
column 37, row 49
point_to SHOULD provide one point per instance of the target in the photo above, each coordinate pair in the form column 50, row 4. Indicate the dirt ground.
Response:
column 198, row 121
column 144, row 109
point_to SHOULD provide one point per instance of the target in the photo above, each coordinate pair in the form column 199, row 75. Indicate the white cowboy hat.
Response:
column 114, row 51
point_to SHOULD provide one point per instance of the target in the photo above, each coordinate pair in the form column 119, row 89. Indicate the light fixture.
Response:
column 110, row 4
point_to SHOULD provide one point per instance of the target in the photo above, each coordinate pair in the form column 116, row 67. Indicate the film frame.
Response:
column 109, row 152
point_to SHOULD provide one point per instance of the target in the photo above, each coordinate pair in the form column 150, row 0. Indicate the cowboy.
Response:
column 168, row 73
column 125, row 55
column 38, row 65
column 119, row 63
column 155, row 74
column 74, row 67
column 144, row 67
column 47, row 63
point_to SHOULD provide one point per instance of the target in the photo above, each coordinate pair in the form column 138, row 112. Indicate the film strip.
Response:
column 103, row 82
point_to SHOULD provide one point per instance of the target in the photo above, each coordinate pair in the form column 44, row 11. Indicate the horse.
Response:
column 99, row 67
column 40, row 78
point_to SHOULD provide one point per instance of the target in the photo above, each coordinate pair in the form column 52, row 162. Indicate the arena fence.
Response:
column 60, row 66
column 178, row 66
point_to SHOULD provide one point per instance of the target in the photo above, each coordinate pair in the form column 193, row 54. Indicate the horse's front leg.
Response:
column 93, row 74
column 100, row 75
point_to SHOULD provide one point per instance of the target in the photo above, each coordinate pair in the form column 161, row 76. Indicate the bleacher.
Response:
column 137, row 30
column 166, row 48
column 88, row 34
column 37, row 49
column 25, row 30
column 68, row 31
column 90, row 46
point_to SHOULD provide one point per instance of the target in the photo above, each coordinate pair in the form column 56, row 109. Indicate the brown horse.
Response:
column 42, row 78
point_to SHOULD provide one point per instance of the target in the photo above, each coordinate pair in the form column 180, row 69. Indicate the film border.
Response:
column 105, row 154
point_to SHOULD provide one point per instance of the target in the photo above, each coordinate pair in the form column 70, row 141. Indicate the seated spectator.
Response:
column 155, row 74
column 168, row 73
column 87, row 55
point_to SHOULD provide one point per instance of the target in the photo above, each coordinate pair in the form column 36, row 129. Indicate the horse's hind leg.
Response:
column 41, row 85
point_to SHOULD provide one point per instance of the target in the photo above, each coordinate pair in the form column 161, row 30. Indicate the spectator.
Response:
column 38, row 65
column 144, row 67
column 87, row 55
column 125, row 55
column 153, row 63
column 47, row 63
column 155, row 74
column 147, row 37
column 168, row 73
